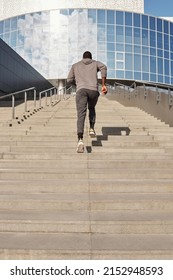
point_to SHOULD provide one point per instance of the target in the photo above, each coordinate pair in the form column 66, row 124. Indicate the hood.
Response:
column 87, row 60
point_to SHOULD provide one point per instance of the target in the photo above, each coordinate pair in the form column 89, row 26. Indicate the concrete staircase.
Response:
column 115, row 201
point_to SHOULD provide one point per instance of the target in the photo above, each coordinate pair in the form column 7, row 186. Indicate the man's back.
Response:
column 84, row 73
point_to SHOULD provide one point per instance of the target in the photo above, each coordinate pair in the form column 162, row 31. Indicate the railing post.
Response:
column 35, row 98
column 13, row 107
column 170, row 99
column 50, row 96
column 25, row 101
column 46, row 98
column 158, row 95
column 40, row 99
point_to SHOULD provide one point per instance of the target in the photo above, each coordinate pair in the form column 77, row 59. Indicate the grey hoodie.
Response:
column 84, row 73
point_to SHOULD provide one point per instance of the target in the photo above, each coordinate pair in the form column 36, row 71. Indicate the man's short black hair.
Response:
column 87, row 54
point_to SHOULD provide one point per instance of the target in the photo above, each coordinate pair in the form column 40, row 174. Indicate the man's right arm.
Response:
column 103, row 69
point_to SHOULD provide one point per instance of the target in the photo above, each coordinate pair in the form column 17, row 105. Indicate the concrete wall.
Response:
column 16, row 74
column 148, row 100
column 13, row 8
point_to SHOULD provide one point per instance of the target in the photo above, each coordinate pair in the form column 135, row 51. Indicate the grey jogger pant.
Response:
column 85, row 97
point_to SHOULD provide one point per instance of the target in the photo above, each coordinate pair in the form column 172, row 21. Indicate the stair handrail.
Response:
column 54, row 93
column 45, row 93
column 13, row 94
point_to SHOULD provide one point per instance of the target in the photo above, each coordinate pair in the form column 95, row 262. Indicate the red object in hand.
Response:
column 104, row 89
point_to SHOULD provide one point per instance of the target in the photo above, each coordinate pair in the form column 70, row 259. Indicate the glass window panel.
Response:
column 128, row 19
column 71, row 11
column 144, row 37
column 171, row 68
column 144, row 21
column 128, row 61
column 101, row 56
column 110, row 17
column 159, row 40
column 166, row 67
column 120, row 65
column 137, row 20
column 111, row 74
column 101, row 35
column 20, row 41
column 110, row 33
column 111, row 46
column 137, row 49
column 171, row 43
column 6, row 38
column 159, row 24
column 128, row 48
column 64, row 12
column 111, row 64
column 137, row 36
column 152, row 64
column 1, row 27
column 166, row 54
column 92, row 15
column 171, row 54
column 159, row 53
column 145, row 63
column 14, row 23
column 160, row 78
column 111, row 60
column 160, row 65
column 7, row 25
column 120, row 47
column 37, row 18
column 119, row 18
column 120, row 56
column 120, row 74
column 111, row 56
column 153, row 78
column 145, row 76
column 137, row 62
column 137, row 75
column 171, row 28
column 145, row 50
column 129, row 75
column 13, row 39
column 128, row 34
column 101, row 46
column 152, row 23
column 152, row 39
column 166, row 42
column 153, row 51
column 166, row 27
column 119, row 34
column 167, row 80
column 101, row 16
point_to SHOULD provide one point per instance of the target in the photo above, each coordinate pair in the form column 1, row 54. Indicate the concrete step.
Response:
column 111, row 227
column 78, row 246
column 112, row 202
column 92, row 164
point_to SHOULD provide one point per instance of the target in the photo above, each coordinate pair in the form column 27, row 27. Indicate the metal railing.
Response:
column 133, row 88
column 54, row 95
column 25, row 92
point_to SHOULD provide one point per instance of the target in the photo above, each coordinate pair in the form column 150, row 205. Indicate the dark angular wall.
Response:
column 16, row 74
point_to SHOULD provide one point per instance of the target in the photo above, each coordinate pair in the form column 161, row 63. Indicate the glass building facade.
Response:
column 134, row 46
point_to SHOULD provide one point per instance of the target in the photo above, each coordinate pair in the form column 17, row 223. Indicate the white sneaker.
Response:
column 80, row 146
column 92, row 132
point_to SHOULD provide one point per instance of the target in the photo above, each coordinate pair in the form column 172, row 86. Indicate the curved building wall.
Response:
column 134, row 46
column 13, row 8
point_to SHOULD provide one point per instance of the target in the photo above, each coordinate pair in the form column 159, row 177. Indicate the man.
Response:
column 84, row 75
